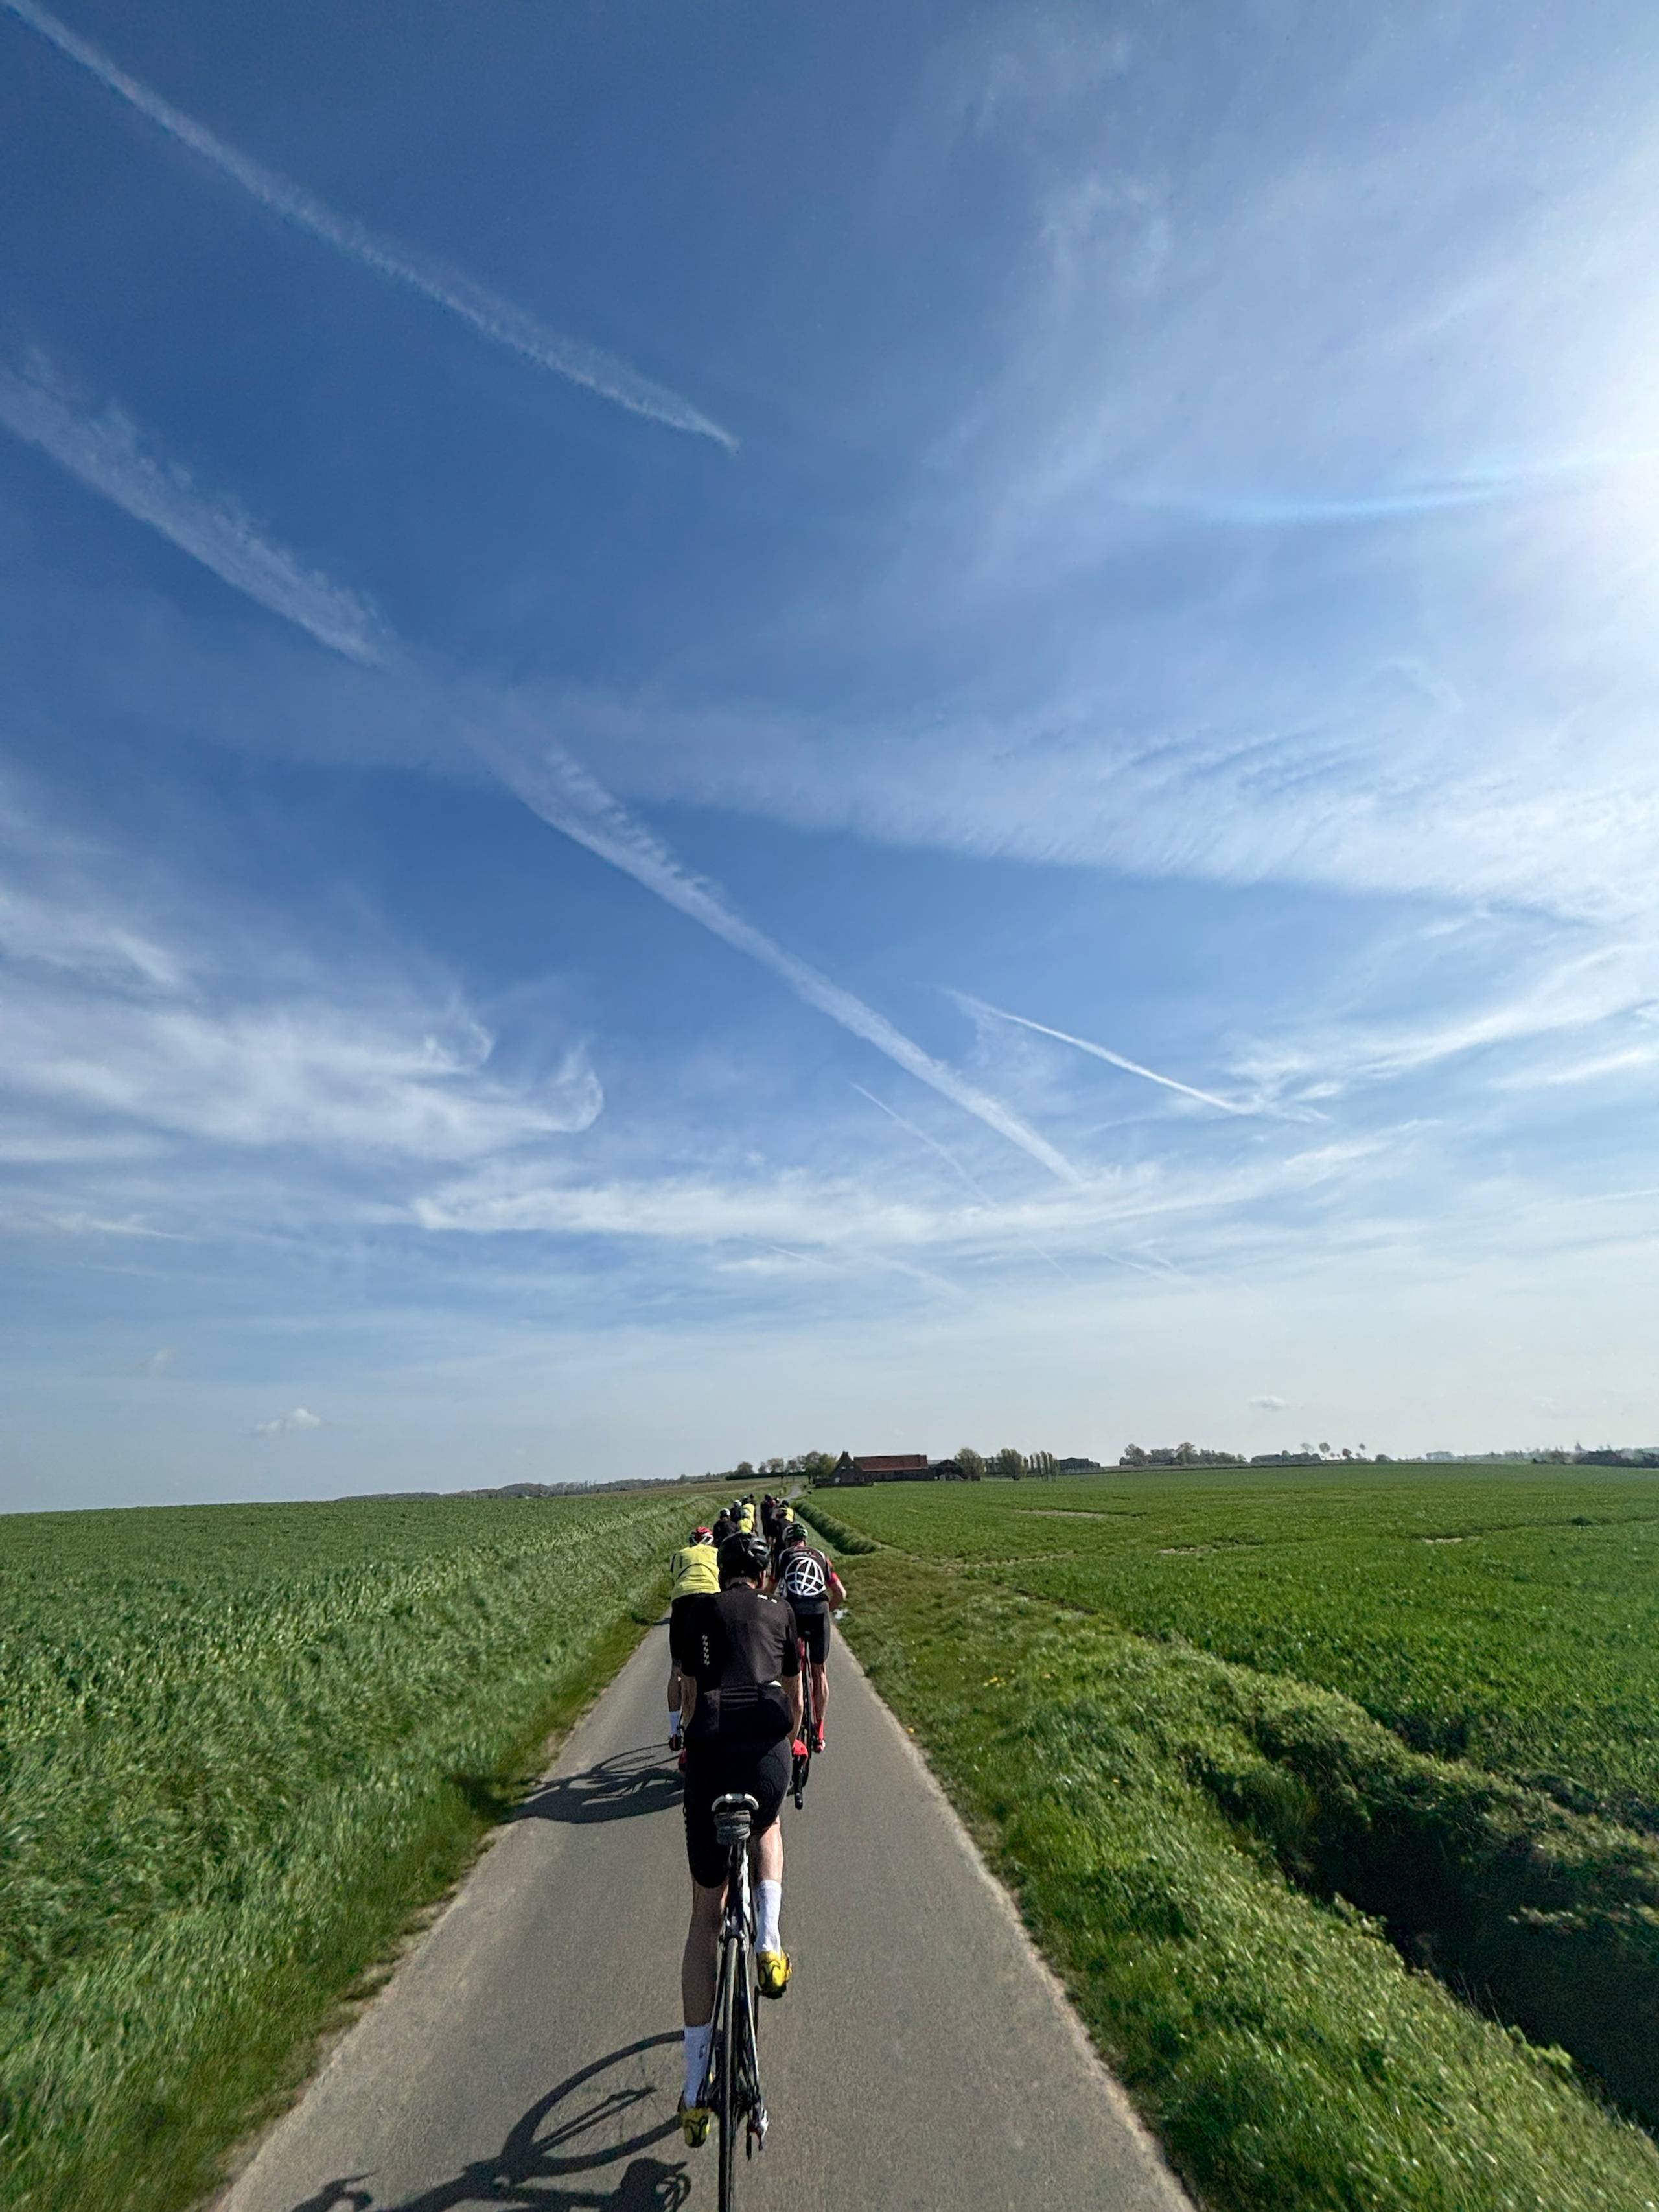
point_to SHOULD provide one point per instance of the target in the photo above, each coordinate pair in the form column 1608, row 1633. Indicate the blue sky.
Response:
column 724, row 730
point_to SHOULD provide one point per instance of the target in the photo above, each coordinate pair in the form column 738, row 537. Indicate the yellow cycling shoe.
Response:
column 772, row 1973
column 694, row 2123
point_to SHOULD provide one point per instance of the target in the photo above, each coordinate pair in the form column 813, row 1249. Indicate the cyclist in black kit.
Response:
column 740, row 1700
column 811, row 1585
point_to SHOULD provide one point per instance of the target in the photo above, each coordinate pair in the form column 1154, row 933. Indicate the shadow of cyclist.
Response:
column 620, row 1788
column 554, row 2158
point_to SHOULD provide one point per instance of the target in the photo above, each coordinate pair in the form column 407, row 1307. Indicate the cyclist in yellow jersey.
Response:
column 696, row 1574
column 746, row 1518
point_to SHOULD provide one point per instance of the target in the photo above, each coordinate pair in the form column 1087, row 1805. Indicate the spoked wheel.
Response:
column 802, row 1767
column 728, row 2105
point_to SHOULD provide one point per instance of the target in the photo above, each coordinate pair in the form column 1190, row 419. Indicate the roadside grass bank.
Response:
column 1505, row 1616
column 241, row 1747
column 1184, row 1835
column 836, row 1533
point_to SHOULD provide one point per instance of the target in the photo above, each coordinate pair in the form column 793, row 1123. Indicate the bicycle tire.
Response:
column 801, row 1768
column 727, row 2116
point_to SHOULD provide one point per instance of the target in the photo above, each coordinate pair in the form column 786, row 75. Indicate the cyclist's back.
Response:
column 738, row 1654
column 806, row 1579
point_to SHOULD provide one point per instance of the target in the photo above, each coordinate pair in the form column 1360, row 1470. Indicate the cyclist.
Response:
column 811, row 1585
column 695, row 1572
column 746, row 1516
column 768, row 1518
column 741, row 1672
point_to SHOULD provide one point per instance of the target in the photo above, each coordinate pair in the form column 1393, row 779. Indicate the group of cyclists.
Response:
column 751, row 1605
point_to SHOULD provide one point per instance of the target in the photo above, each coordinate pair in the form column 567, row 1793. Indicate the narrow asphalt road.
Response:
column 527, row 2053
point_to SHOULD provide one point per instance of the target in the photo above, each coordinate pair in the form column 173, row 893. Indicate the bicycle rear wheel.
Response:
column 729, row 2113
column 802, row 1767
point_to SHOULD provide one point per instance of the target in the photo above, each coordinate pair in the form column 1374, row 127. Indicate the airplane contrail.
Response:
column 956, row 1166
column 532, row 764
column 1100, row 1052
column 563, row 793
column 494, row 318
column 105, row 453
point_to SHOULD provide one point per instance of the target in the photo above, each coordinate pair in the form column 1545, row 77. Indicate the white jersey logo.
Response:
column 804, row 1577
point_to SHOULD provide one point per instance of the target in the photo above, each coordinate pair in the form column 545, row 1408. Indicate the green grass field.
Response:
column 239, row 1747
column 1332, row 1797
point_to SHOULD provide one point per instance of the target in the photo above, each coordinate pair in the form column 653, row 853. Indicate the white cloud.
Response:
column 801, row 1209
column 83, row 940
column 343, row 1079
column 290, row 1424
column 1266, row 1403
column 123, row 1037
column 1564, row 997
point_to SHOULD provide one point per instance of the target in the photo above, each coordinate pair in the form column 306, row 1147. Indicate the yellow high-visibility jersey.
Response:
column 696, row 1570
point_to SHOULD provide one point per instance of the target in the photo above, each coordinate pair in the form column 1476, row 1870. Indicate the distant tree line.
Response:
column 1013, row 1465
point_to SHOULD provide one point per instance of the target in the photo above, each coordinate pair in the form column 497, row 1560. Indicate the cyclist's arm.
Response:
column 837, row 1588
column 792, row 1691
column 688, row 1699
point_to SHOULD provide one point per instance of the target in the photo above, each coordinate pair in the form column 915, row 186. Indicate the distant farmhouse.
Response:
column 850, row 1474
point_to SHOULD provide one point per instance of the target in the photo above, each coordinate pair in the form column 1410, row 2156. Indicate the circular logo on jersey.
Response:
column 804, row 1577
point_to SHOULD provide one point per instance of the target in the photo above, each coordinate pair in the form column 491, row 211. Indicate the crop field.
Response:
column 239, row 1746
column 1334, row 1797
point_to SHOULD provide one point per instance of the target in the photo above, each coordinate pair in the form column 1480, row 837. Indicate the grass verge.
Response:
column 1175, row 1827
column 843, row 1538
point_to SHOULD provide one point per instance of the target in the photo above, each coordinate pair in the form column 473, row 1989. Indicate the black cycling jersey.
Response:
column 804, row 1579
column 740, row 1648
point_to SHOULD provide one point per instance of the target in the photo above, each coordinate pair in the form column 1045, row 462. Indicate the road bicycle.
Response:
column 731, row 2086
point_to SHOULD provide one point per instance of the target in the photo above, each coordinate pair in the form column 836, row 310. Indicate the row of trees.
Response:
column 814, row 1465
column 1189, row 1455
column 1015, row 1465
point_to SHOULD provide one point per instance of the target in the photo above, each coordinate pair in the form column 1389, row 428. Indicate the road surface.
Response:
column 527, row 2052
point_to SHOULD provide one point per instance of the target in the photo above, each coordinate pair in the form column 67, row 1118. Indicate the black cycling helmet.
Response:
column 744, row 1558
column 793, row 1532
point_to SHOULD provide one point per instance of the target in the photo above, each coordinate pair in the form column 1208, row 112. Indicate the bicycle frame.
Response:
column 731, row 2085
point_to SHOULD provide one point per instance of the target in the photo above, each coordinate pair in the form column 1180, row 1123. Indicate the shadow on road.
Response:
column 553, row 2160
column 619, row 1787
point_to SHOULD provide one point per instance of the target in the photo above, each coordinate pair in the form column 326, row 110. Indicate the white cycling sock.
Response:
column 697, row 2040
column 768, row 1907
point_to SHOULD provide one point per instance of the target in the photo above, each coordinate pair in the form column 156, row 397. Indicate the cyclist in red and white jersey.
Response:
column 811, row 1585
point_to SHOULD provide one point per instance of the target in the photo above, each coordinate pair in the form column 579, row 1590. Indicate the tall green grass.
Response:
column 1509, row 1617
column 239, row 1746
column 1170, row 1822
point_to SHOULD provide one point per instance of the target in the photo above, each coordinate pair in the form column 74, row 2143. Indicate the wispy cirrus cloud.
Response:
column 1566, row 996
column 513, row 742
column 459, row 294
column 802, row 1210
column 129, row 1042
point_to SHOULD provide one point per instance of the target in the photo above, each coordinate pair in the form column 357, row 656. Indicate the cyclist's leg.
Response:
column 769, row 1780
column 816, row 1629
column 674, row 1671
column 704, row 1781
